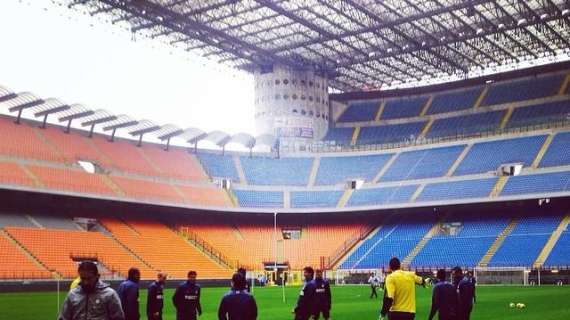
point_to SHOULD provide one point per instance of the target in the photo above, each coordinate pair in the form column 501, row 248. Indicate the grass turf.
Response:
column 349, row 303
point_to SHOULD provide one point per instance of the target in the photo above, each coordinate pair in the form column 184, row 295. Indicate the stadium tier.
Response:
column 438, row 172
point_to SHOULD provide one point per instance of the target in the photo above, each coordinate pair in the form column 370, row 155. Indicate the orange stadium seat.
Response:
column 74, row 146
column 147, row 190
column 175, row 163
column 71, row 180
column 164, row 250
column 14, row 264
column 11, row 173
column 251, row 245
column 204, row 196
column 125, row 156
column 21, row 141
column 55, row 248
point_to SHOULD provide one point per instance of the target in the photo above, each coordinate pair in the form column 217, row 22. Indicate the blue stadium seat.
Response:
column 560, row 254
column 315, row 199
column 539, row 114
column 342, row 136
column 524, row 89
column 558, row 153
column 488, row 156
column 523, row 245
column 537, row 183
column 454, row 101
column 392, row 240
column 334, row 170
column 381, row 196
column 479, row 188
column 466, row 248
column 420, row 164
column 259, row 199
column 360, row 111
column 280, row 172
column 403, row 108
column 390, row 133
column 466, row 125
column 219, row 166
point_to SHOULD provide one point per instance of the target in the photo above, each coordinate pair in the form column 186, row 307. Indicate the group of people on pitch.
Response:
column 92, row 299
column 451, row 300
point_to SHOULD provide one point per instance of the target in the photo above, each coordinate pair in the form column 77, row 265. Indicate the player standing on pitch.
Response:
column 129, row 294
column 306, row 302
column 186, row 299
column 155, row 298
column 374, row 283
column 237, row 304
column 400, row 293
column 466, row 293
column 323, row 301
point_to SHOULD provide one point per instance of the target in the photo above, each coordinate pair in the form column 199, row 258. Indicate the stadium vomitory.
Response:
column 437, row 132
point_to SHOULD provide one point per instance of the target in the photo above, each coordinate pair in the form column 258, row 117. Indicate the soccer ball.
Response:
column 521, row 305
column 511, row 305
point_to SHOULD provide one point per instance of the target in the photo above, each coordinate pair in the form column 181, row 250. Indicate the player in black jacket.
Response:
column 155, row 298
column 306, row 303
column 187, row 299
column 323, row 301
column 237, row 304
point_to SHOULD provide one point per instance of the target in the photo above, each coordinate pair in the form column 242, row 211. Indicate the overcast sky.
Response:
column 56, row 52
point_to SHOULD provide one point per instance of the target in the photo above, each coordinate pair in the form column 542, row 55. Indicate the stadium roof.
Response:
column 360, row 44
column 109, row 123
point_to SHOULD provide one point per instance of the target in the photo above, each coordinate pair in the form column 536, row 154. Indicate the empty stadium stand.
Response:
column 218, row 166
column 315, row 199
column 163, row 249
column 537, row 183
column 335, row 170
column 477, row 188
column 558, row 153
column 466, row 125
column 175, row 163
column 465, row 248
column 283, row 171
column 392, row 239
column 523, row 245
column 15, row 264
column 21, row 140
column 390, row 133
column 251, row 244
column 403, row 108
column 420, row 164
column 488, row 156
column 454, row 101
column 524, row 89
column 553, row 111
column 381, row 196
column 360, row 111
column 57, row 248
column 259, row 199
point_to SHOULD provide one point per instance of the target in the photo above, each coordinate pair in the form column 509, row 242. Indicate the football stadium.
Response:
column 437, row 132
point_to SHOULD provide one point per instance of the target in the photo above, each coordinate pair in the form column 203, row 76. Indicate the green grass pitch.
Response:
column 349, row 303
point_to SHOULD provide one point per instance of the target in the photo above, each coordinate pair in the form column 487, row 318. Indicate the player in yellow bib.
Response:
column 400, row 293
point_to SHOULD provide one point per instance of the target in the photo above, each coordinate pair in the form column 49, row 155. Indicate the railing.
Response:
column 371, row 145
column 347, row 245
column 206, row 247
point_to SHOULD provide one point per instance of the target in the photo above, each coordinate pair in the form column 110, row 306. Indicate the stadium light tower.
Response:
column 291, row 104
